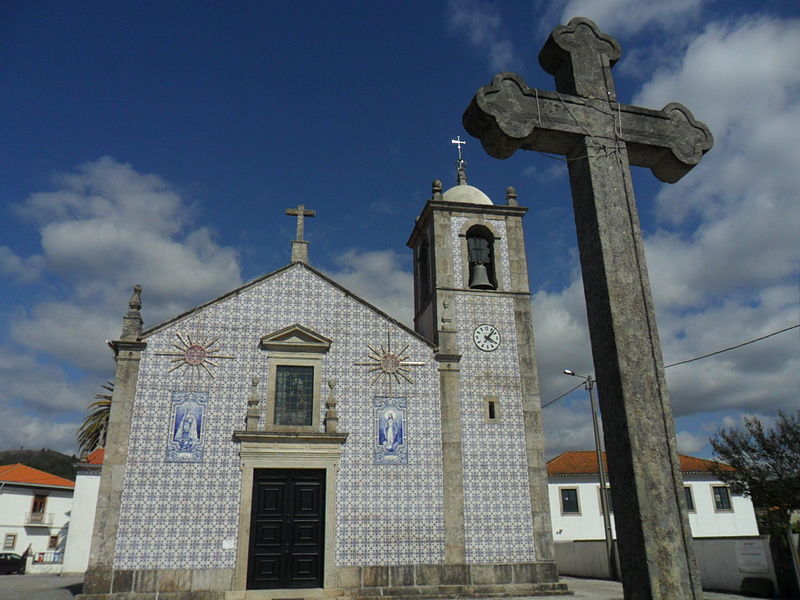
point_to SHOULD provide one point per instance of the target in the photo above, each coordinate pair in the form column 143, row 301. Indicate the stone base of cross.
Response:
column 601, row 138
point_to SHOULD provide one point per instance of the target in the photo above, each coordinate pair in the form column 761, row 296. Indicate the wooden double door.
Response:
column 287, row 527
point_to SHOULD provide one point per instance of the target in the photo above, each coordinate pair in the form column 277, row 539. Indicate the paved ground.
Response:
column 598, row 589
column 40, row 587
column 54, row 587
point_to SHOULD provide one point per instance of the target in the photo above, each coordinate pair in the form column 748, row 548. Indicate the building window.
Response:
column 608, row 499
column 491, row 409
column 52, row 544
column 294, row 395
column 423, row 271
column 689, row 498
column 480, row 252
column 569, row 501
column 10, row 541
column 39, row 503
column 295, row 371
column 722, row 498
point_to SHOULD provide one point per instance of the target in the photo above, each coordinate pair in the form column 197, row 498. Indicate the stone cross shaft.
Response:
column 600, row 139
column 299, row 245
column 300, row 212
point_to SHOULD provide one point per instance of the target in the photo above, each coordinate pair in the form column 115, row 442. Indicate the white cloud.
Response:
column 630, row 16
column 24, row 270
column 18, row 430
column 39, row 386
column 689, row 443
column 379, row 278
column 570, row 428
column 481, row 23
column 105, row 228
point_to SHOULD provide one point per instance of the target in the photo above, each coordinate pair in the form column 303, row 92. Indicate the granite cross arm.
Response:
column 507, row 114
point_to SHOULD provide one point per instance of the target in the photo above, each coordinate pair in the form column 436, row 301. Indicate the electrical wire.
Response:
column 763, row 337
column 569, row 391
column 688, row 360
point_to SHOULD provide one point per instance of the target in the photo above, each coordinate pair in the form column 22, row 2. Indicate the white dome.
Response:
column 466, row 194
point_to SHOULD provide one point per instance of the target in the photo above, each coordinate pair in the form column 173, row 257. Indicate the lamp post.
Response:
column 589, row 385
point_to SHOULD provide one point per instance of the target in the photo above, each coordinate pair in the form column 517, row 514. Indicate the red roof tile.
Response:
column 19, row 473
column 96, row 457
column 584, row 462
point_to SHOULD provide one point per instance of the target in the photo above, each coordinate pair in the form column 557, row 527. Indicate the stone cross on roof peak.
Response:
column 299, row 245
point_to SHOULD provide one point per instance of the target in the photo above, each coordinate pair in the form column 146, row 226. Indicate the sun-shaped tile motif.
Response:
column 194, row 354
column 388, row 364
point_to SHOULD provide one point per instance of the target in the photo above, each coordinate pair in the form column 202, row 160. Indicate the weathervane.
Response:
column 389, row 365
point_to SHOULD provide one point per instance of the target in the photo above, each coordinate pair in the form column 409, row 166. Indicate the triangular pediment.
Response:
column 296, row 338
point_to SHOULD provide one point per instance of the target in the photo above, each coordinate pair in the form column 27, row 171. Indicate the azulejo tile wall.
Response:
column 497, row 509
column 176, row 516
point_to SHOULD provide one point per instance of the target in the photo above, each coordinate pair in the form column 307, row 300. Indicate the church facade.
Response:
column 290, row 440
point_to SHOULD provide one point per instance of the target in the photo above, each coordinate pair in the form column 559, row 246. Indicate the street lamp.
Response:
column 589, row 385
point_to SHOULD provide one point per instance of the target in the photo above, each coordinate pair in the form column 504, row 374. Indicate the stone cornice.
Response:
column 289, row 437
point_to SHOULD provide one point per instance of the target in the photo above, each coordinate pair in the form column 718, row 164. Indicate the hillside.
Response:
column 46, row 460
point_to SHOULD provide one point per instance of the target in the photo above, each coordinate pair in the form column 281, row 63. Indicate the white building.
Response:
column 35, row 512
column 87, row 484
column 574, row 490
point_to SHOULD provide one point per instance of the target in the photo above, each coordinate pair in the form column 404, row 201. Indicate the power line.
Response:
column 569, row 391
column 763, row 337
column 688, row 360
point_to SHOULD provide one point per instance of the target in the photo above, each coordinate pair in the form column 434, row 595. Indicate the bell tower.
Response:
column 473, row 301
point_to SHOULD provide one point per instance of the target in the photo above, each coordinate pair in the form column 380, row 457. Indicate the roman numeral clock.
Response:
column 486, row 337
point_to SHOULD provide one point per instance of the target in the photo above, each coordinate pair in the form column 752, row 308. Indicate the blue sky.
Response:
column 159, row 143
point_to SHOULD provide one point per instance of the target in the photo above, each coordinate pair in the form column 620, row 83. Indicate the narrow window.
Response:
column 491, row 409
column 294, row 395
column 689, row 499
column 53, row 542
column 569, row 501
column 423, row 271
column 480, row 250
column 10, row 541
column 722, row 498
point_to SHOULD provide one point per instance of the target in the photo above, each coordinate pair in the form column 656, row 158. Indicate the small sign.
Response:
column 751, row 557
column 228, row 544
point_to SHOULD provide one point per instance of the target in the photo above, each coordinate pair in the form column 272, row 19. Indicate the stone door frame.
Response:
column 267, row 450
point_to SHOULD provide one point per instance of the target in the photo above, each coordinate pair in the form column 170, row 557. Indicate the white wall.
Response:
column 724, row 564
column 705, row 521
column 15, row 503
column 87, row 485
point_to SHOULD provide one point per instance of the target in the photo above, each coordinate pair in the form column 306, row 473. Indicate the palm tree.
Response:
column 92, row 432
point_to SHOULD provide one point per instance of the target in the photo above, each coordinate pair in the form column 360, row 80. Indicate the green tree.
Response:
column 766, row 465
column 92, row 432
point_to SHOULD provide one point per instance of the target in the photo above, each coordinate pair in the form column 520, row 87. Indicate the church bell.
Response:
column 479, row 278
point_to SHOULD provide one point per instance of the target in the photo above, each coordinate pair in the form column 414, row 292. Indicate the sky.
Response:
column 160, row 143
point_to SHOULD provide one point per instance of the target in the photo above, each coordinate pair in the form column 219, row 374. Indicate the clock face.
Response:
column 486, row 337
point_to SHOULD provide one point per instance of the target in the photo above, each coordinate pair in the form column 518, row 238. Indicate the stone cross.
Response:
column 299, row 245
column 600, row 138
